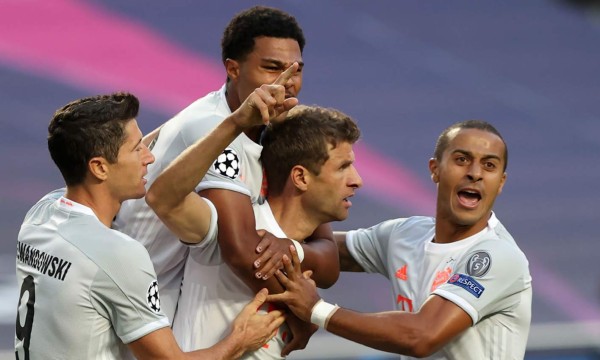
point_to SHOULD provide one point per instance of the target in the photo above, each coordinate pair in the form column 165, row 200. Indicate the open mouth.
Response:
column 469, row 198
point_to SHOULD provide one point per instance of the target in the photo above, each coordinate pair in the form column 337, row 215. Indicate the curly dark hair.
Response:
column 238, row 37
column 89, row 127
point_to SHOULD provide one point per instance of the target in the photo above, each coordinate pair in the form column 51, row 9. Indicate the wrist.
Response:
column 237, row 120
column 234, row 345
column 321, row 313
column 299, row 249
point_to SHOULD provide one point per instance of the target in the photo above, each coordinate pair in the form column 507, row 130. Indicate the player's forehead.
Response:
column 283, row 50
column 132, row 134
column 342, row 152
column 475, row 141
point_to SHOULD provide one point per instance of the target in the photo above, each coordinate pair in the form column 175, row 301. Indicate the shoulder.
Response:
column 211, row 108
column 410, row 225
column 395, row 230
column 498, row 253
column 104, row 246
column 40, row 209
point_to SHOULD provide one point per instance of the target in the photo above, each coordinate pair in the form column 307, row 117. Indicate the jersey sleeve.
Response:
column 226, row 171
column 125, row 290
column 209, row 240
column 369, row 246
column 196, row 122
column 488, row 279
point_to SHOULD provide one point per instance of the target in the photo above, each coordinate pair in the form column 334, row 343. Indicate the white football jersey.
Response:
column 212, row 295
column 86, row 290
column 237, row 168
column 487, row 275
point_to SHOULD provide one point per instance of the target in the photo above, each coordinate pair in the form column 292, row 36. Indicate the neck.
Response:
column 447, row 231
column 293, row 219
column 233, row 100
column 96, row 198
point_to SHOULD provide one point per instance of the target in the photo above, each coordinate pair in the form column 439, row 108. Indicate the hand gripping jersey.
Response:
column 237, row 169
column 486, row 274
column 212, row 295
column 85, row 290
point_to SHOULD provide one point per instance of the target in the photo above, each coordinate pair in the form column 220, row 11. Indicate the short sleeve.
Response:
column 226, row 171
column 369, row 246
column 488, row 279
column 211, row 235
column 126, row 292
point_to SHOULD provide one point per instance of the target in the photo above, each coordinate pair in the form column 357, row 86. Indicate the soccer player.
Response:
column 87, row 291
column 257, row 46
column 461, row 284
column 308, row 159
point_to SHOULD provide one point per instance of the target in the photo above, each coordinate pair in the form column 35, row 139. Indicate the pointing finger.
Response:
column 285, row 76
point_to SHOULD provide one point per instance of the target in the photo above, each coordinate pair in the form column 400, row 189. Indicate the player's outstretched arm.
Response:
column 417, row 334
column 251, row 331
column 172, row 195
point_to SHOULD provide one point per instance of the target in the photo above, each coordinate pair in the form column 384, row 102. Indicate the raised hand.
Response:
column 267, row 103
column 301, row 291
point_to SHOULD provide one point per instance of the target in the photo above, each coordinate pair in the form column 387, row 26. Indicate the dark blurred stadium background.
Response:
column 404, row 70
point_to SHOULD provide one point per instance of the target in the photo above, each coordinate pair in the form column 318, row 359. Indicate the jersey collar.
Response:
column 71, row 206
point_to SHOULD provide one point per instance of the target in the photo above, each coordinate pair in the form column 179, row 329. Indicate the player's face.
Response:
column 127, row 174
column 328, row 194
column 269, row 58
column 469, row 177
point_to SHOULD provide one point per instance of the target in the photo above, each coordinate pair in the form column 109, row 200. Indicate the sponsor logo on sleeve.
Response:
column 153, row 297
column 468, row 283
column 479, row 263
column 228, row 164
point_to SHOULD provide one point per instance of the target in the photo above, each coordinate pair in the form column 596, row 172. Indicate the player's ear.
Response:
column 299, row 176
column 232, row 67
column 434, row 170
column 502, row 182
column 98, row 167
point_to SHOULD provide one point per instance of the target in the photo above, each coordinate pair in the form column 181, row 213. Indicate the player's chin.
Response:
column 140, row 193
column 341, row 215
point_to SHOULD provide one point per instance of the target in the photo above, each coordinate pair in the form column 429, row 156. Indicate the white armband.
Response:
column 322, row 312
column 299, row 249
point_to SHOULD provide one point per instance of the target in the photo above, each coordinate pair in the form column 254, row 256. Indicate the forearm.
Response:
column 226, row 349
column 395, row 332
column 180, row 178
column 418, row 334
column 238, row 252
column 161, row 344
column 321, row 256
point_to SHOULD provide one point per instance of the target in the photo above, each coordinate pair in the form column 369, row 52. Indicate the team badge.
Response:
column 153, row 298
column 479, row 263
column 228, row 164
